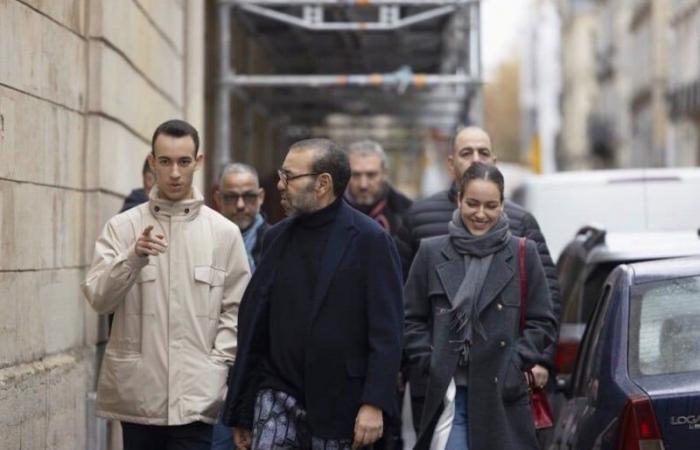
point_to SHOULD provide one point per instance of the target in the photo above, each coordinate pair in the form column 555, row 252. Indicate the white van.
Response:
column 616, row 200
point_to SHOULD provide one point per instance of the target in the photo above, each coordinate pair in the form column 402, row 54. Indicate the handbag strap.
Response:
column 523, row 282
column 523, row 301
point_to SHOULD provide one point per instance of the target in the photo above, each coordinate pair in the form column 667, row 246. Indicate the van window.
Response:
column 664, row 335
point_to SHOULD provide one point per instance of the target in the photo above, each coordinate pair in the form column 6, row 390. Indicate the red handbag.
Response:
column 541, row 411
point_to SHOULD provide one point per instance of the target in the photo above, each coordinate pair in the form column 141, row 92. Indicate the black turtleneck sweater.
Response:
column 291, row 299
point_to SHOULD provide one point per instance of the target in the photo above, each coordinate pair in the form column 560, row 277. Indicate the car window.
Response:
column 572, row 306
column 664, row 335
column 569, row 267
column 593, row 288
column 589, row 360
column 584, row 294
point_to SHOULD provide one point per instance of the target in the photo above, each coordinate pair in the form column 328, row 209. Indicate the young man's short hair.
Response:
column 176, row 128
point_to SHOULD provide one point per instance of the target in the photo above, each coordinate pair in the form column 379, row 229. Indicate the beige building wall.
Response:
column 610, row 132
column 646, row 68
column 579, row 89
column 83, row 84
column 684, row 83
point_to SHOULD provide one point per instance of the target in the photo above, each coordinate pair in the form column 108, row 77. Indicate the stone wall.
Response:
column 83, row 83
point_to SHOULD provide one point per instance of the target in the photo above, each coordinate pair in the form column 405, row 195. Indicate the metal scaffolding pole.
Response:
column 223, row 98
column 389, row 79
column 313, row 18
column 477, row 103
column 360, row 3
column 457, row 83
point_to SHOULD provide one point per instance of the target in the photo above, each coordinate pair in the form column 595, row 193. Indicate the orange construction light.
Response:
column 375, row 79
column 420, row 80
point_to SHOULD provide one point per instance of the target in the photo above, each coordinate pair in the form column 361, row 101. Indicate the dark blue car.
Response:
column 636, row 383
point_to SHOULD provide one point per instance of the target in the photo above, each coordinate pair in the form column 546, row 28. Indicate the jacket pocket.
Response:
column 209, row 284
column 121, row 384
column 145, row 302
column 514, row 385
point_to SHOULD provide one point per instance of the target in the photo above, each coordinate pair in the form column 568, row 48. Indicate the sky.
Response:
column 502, row 22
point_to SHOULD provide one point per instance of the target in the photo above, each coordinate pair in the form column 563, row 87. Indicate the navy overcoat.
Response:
column 353, row 343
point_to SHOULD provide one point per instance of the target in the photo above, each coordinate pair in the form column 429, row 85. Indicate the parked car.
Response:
column 636, row 383
column 587, row 261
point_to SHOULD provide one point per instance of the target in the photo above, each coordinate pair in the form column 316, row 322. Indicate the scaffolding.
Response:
column 419, row 61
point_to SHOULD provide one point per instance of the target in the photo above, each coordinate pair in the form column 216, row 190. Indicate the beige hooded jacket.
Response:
column 175, row 315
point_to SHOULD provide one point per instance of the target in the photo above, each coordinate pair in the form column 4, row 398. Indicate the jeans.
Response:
column 459, row 433
column 222, row 439
column 193, row 436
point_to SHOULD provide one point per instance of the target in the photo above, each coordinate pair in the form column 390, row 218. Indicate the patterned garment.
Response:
column 280, row 424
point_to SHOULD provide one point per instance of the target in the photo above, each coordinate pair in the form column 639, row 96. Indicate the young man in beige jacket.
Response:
column 173, row 272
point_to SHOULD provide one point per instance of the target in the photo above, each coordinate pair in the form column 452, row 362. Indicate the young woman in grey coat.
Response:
column 462, row 316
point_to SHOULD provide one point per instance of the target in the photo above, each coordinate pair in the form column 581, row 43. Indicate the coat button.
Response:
column 502, row 343
column 157, row 208
column 495, row 380
column 499, row 306
column 187, row 210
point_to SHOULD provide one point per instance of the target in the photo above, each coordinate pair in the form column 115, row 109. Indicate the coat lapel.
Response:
column 451, row 272
column 339, row 240
column 272, row 253
column 499, row 275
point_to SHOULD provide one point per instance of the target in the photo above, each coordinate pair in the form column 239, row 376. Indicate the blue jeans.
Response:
column 459, row 433
column 222, row 438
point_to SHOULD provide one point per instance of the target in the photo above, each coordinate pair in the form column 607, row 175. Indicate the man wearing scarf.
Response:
column 369, row 190
column 239, row 199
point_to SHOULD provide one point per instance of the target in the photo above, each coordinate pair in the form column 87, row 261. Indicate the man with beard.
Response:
column 369, row 190
column 321, row 322
column 239, row 199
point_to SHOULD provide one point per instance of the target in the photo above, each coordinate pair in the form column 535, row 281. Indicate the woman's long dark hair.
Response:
column 481, row 171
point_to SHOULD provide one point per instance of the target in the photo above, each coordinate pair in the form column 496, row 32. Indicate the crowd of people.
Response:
column 229, row 332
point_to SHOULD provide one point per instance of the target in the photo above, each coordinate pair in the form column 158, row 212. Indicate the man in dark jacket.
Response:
column 321, row 322
column 138, row 196
column 430, row 216
column 369, row 190
column 239, row 199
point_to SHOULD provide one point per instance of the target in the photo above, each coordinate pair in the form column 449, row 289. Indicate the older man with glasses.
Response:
column 321, row 321
column 239, row 199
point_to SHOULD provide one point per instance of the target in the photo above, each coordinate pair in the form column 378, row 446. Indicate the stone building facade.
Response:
column 83, row 84
column 684, row 82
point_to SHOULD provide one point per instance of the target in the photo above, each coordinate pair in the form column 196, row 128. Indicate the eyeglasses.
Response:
column 285, row 177
column 249, row 198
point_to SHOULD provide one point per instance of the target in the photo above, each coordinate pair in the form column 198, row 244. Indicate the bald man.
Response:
column 430, row 216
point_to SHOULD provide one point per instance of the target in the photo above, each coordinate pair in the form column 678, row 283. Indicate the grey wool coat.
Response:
column 498, row 407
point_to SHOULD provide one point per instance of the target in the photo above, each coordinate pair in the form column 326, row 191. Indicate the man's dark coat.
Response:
column 353, row 342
